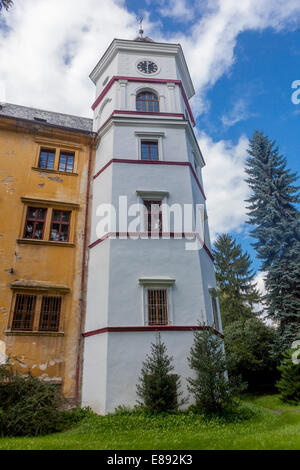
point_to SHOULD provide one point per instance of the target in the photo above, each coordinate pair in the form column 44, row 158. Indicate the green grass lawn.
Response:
column 278, row 429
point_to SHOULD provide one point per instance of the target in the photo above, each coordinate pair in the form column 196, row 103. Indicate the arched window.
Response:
column 148, row 102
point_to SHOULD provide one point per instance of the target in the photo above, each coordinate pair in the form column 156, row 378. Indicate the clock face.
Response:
column 147, row 66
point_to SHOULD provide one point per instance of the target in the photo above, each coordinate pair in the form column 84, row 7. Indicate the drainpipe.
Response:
column 83, row 273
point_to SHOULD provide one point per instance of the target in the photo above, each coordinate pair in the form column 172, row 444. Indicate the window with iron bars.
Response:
column 50, row 312
column 157, row 307
column 26, row 307
column 24, row 312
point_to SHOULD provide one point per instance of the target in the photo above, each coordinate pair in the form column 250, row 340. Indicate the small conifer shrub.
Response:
column 158, row 386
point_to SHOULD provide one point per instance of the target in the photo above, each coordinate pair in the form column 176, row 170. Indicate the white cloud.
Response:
column 224, row 183
column 43, row 34
column 260, row 283
column 177, row 9
column 238, row 113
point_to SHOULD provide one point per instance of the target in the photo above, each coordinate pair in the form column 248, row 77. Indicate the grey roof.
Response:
column 143, row 39
column 47, row 117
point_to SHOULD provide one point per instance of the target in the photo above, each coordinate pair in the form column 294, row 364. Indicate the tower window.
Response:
column 60, row 226
column 215, row 311
column 157, row 307
column 149, row 150
column 50, row 312
column 147, row 102
column 24, row 312
column 153, row 216
column 47, row 158
column 66, row 162
column 35, row 222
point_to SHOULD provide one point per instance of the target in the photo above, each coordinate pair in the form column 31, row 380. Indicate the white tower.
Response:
column 141, row 284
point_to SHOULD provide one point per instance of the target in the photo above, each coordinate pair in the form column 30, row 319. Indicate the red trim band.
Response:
column 146, row 235
column 144, row 80
column 149, row 162
column 126, row 329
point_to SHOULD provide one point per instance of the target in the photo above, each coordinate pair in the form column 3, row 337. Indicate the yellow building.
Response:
column 45, row 167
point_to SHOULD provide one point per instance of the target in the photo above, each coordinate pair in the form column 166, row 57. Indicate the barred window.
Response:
column 157, row 307
column 35, row 222
column 66, row 162
column 153, row 216
column 24, row 312
column 149, row 150
column 50, row 313
column 47, row 158
column 147, row 102
column 60, row 226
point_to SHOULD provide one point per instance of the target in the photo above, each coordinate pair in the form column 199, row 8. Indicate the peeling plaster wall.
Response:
column 51, row 357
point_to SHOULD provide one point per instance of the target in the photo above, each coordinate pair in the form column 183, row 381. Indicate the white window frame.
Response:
column 150, row 136
column 157, row 283
column 151, row 195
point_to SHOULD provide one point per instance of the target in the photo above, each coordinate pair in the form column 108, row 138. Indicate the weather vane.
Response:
column 141, row 31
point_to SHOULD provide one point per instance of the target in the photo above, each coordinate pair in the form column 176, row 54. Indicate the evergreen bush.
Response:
column 159, row 386
column 211, row 387
column 289, row 382
column 29, row 406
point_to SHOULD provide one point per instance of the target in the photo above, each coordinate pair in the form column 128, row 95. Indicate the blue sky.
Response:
column 243, row 58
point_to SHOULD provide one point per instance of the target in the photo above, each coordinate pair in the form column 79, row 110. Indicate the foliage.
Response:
column 29, row 406
column 6, row 4
column 251, row 427
column 251, row 353
column 273, row 212
column 159, row 387
column 236, row 290
column 289, row 383
column 212, row 389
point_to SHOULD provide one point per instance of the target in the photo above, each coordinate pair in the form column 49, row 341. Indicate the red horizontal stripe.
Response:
column 126, row 329
column 149, row 162
column 145, row 80
column 161, row 235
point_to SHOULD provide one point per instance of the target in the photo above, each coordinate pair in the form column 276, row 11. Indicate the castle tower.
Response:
column 140, row 283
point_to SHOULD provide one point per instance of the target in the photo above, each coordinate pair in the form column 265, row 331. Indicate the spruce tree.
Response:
column 212, row 389
column 273, row 212
column 289, row 383
column 236, row 290
column 159, row 386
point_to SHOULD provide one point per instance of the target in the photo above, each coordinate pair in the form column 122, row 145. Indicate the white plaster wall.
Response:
column 134, row 259
column 126, row 142
column 102, row 193
column 105, row 150
column 127, row 351
column 98, row 287
column 127, row 62
column 94, row 380
column 110, row 71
